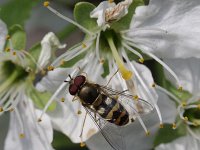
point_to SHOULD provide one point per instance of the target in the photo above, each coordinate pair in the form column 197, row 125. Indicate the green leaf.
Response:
column 82, row 15
column 124, row 23
column 16, row 11
column 62, row 142
column 18, row 37
column 167, row 134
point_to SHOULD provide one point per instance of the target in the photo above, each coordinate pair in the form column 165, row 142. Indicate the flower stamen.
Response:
column 174, row 126
column 46, row 4
column 143, row 49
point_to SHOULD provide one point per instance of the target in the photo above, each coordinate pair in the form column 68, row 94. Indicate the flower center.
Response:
column 10, row 68
column 111, row 41
column 193, row 115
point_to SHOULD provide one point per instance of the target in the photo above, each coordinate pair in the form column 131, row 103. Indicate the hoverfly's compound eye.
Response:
column 79, row 80
column 73, row 89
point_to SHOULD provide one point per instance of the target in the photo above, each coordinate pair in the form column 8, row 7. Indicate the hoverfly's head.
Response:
column 76, row 83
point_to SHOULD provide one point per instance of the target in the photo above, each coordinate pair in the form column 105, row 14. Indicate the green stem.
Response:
column 8, row 81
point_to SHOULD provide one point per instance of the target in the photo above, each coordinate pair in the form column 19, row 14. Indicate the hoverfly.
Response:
column 104, row 106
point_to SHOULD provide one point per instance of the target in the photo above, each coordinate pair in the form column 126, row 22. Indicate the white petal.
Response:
column 49, row 43
column 99, row 12
column 179, row 18
column 167, row 108
column 3, row 33
column 188, row 72
column 53, row 79
column 183, row 143
column 37, row 135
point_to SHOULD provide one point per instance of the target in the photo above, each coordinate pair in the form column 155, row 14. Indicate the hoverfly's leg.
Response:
column 74, row 98
column 111, row 77
column 82, row 144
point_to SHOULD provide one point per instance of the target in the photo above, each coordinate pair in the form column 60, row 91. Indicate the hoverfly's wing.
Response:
column 129, row 101
column 110, row 132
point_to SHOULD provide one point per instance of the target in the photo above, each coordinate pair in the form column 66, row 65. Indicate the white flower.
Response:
column 114, row 54
column 18, row 70
column 188, row 109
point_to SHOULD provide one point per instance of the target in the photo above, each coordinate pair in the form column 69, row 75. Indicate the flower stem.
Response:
column 9, row 81
column 126, row 74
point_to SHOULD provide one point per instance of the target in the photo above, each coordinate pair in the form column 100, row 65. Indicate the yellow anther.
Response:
column 185, row 119
column 7, row 37
column 174, row 126
column 79, row 112
column 82, row 144
column 180, row 88
column 21, row 136
column 11, row 109
column 62, row 62
column 196, row 123
column 183, row 104
column 84, row 45
column 43, row 72
column 117, row 96
column 39, row 120
column 1, row 109
column 46, row 4
column 102, row 61
column 14, row 53
column 161, row 125
column 62, row 99
column 50, row 68
column 141, row 60
column 7, row 49
column 153, row 85
column 136, row 97
column 147, row 133
column 110, row 1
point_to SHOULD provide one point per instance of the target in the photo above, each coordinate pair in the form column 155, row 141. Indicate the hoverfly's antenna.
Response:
column 70, row 78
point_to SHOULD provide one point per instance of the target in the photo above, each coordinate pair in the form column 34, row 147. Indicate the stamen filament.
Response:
column 54, row 97
column 126, row 74
column 133, row 51
column 152, row 97
column 21, row 125
column 69, row 20
column 70, row 54
column 156, row 59
column 193, row 134
column 168, row 93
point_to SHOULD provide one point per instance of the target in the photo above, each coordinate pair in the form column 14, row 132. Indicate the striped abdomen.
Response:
column 111, row 110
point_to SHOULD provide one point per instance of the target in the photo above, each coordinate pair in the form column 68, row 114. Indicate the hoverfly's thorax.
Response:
column 88, row 93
